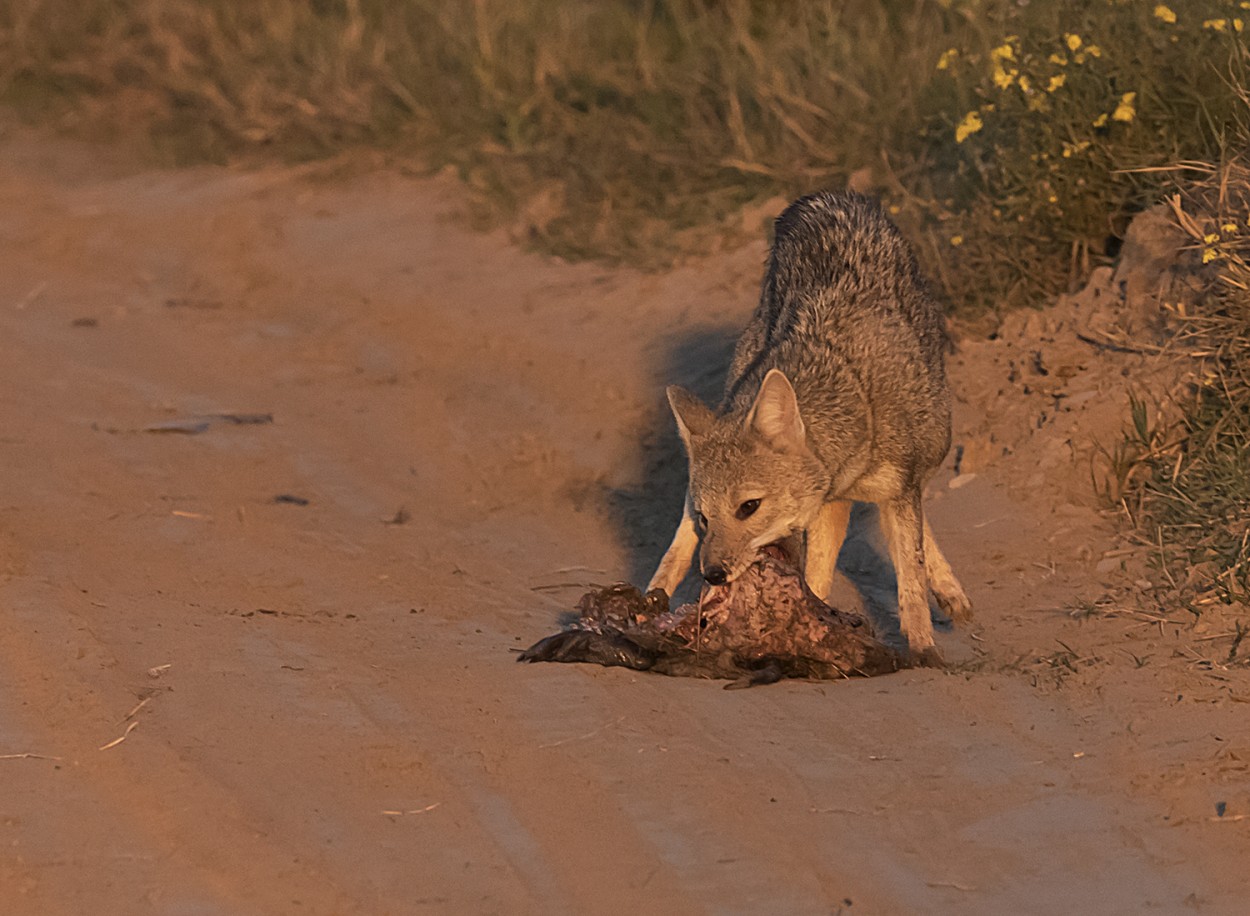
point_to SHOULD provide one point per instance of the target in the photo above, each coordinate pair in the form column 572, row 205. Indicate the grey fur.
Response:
column 848, row 330
column 846, row 315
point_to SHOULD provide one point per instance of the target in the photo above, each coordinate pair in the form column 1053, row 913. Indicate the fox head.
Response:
column 754, row 480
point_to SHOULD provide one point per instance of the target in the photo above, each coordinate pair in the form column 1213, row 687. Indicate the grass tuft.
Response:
column 1190, row 480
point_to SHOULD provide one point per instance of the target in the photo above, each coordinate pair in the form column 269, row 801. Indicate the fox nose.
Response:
column 715, row 575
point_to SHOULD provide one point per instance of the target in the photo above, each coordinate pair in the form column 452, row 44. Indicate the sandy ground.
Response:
column 319, row 703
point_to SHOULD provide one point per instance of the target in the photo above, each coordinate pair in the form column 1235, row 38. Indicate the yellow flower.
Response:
column 1056, row 82
column 1074, row 41
column 968, row 126
column 1093, row 50
column 1052, row 199
column 1238, row 25
column 1003, row 78
column 1162, row 12
column 957, row 240
column 1070, row 149
column 1003, row 52
column 1209, row 255
column 1229, row 227
column 1126, row 110
column 1210, row 238
column 1025, row 84
column 1218, row 24
column 947, row 58
column 1060, row 60
column 1101, row 120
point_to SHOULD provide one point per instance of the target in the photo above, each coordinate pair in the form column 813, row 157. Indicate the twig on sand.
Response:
column 556, row 586
column 131, row 714
column 990, row 521
column 582, row 737
column 413, row 811
column 116, row 741
column 28, row 756
column 956, row 886
column 35, row 292
column 1115, row 346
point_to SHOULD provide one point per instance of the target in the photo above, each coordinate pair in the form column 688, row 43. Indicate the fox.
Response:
column 836, row 392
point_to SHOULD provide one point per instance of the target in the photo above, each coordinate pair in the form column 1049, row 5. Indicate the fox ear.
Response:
column 694, row 418
column 775, row 414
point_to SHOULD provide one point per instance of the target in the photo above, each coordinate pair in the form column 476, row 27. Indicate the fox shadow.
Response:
column 646, row 514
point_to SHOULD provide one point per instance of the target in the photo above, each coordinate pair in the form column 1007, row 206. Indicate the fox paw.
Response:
column 928, row 657
column 954, row 603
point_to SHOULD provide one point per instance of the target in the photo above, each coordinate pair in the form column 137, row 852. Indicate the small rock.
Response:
column 1110, row 564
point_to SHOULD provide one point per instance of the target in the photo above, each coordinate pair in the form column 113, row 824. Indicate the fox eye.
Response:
column 702, row 521
column 747, row 509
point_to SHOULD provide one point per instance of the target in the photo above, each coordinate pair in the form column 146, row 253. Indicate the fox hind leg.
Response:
column 903, row 525
column 950, row 595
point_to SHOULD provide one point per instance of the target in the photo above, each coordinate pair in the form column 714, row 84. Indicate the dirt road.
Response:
column 303, row 628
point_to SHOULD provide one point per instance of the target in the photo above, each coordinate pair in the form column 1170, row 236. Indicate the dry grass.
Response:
column 1189, row 481
column 210, row 81
column 637, row 130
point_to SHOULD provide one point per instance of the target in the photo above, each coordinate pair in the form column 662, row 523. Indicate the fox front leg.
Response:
column 824, row 543
column 680, row 554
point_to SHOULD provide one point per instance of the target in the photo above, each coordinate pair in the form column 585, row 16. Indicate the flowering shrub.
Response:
column 1049, row 123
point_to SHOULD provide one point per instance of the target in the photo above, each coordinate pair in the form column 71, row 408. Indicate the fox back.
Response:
column 858, row 407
